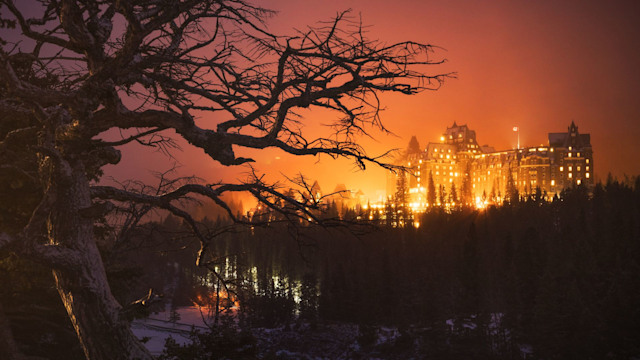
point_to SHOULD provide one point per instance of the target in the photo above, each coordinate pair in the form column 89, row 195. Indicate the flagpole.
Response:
column 518, row 132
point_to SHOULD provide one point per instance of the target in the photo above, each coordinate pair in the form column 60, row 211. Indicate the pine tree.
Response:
column 511, row 191
column 442, row 195
column 453, row 195
column 431, row 190
column 466, row 196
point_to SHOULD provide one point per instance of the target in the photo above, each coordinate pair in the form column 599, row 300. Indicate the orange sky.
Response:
column 535, row 64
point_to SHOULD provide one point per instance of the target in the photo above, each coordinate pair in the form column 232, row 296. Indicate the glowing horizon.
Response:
column 537, row 66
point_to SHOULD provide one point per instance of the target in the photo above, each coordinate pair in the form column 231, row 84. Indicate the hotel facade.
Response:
column 462, row 172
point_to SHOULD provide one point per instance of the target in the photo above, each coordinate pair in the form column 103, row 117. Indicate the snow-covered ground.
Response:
column 300, row 341
column 155, row 329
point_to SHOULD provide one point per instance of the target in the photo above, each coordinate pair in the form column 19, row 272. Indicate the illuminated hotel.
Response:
column 460, row 171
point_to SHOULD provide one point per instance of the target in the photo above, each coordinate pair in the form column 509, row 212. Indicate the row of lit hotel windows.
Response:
column 534, row 182
column 484, row 178
column 449, row 162
column 570, row 154
column 444, row 173
column 571, row 168
column 448, row 156
column 570, row 175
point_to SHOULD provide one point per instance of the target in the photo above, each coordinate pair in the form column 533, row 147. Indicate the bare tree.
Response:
column 79, row 68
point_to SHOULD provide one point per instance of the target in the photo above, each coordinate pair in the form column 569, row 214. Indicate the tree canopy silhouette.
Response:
column 71, row 70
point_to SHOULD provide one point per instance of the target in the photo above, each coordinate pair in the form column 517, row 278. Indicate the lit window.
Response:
column 437, row 167
column 436, row 149
column 570, row 168
column 587, row 168
column 418, row 179
column 449, row 150
column 450, row 174
column 437, row 172
column 440, row 156
column 450, row 167
column 578, row 154
column 569, row 154
column 561, row 168
column 570, row 175
column 586, row 175
column 441, row 138
column 578, row 181
column 553, row 182
column 587, row 161
column 569, row 147
column 578, row 168
column 448, row 156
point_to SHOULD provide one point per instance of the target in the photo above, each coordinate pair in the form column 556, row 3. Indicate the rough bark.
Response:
column 96, row 315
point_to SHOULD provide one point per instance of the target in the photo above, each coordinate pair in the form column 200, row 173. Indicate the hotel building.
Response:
column 461, row 171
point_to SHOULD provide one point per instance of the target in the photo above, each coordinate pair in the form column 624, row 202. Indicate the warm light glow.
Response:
column 480, row 204
column 586, row 175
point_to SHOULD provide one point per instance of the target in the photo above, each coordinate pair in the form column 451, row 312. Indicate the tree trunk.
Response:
column 102, row 329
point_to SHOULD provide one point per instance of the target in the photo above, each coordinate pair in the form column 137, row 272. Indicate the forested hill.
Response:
column 559, row 278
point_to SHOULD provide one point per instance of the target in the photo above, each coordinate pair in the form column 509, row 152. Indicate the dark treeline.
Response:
column 560, row 277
